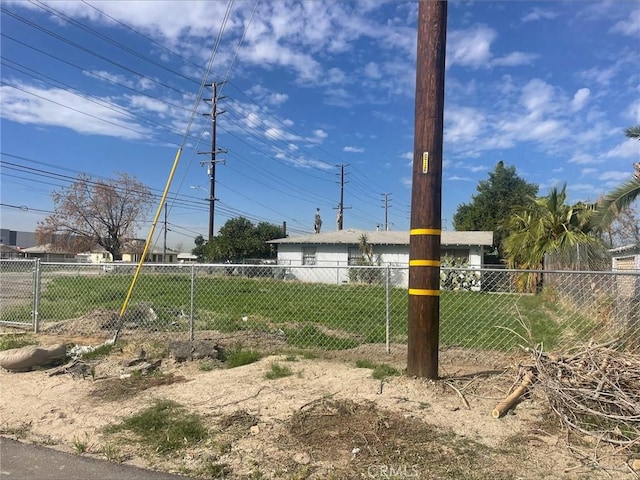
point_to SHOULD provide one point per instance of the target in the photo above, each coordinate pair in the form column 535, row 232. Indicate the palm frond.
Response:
column 615, row 201
column 633, row 132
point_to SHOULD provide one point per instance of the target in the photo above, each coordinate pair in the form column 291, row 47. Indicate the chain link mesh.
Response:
column 279, row 307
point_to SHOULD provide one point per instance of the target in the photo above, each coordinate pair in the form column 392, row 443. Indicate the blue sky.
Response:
column 105, row 87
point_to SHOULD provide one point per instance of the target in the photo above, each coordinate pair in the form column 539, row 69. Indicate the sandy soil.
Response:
column 62, row 410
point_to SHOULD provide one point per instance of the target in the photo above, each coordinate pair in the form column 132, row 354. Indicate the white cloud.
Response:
column 470, row 48
column 463, row 123
column 615, row 176
column 634, row 112
column 580, row 99
column 276, row 98
column 630, row 148
column 60, row 108
column 372, row 70
column 148, row 103
column 584, row 159
column 109, row 77
column 335, row 75
column 588, row 171
column 630, row 26
column 514, row 59
column 353, row 149
column 539, row 14
column 319, row 133
column 252, row 120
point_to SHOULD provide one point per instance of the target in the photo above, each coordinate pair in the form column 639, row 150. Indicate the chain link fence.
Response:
column 485, row 312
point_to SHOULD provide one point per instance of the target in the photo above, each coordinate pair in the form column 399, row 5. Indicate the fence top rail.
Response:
column 631, row 273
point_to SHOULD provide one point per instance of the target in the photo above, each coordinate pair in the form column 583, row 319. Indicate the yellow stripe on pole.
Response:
column 425, row 231
column 424, row 263
column 151, row 232
column 424, row 293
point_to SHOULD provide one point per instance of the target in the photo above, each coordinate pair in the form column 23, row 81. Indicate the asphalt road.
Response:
column 21, row 461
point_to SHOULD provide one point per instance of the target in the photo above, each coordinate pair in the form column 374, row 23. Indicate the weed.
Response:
column 100, row 352
column 114, row 389
column 47, row 440
column 81, row 445
column 165, row 427
column 277, row 371
column 380, row 370
column 238, row 357
column 215, row 470
column 290, row 358
column 113, row 453
column 16, row 340
column 18, row 432
column 365, row 364
column 205, row 366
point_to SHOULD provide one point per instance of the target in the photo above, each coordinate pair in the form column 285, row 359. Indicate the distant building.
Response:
column 16, row 238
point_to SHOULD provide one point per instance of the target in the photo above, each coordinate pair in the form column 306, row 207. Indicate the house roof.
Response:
column 10, row 248
column 352, row 237
column 626, row 248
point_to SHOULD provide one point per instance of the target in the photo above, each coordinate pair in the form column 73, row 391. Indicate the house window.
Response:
column 354, row 256
column 308, row 255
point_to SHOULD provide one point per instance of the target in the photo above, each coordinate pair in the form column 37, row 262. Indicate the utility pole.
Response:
column 211, row 164
column 164, row 244
column 341, row 207
column 426, row 197
column 386, row 211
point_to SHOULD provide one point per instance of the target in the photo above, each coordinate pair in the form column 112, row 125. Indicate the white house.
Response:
column 341, row 249
column 626, row 257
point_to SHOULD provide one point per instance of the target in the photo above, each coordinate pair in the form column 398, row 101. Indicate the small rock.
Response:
column 634, row 463
column 254, row 430
column 303, row 458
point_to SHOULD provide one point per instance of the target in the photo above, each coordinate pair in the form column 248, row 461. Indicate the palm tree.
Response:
column 633, row 132
column 622, row 196
column 546, row 226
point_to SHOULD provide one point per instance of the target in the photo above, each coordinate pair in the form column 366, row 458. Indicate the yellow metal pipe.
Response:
column 150, row 236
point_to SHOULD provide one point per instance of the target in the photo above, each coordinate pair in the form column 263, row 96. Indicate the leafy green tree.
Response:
column 547, row 225
column 622, row 196
column 200, row 250
column 238, row 239
column 492, row 205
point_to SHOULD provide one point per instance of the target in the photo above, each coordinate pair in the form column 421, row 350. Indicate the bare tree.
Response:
column 90, row 212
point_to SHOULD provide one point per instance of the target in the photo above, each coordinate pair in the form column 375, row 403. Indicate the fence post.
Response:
column 36, row 296
column 191, row 300
column 388, row 307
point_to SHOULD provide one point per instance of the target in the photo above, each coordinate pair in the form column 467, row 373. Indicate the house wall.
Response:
column 337, row 256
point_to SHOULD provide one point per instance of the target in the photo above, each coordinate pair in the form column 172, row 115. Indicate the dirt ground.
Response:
column 329, row 420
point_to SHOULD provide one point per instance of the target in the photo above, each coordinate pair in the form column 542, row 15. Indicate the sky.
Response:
column 310, row 89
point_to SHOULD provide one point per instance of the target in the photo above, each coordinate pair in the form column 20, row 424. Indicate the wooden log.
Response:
column 504, row 406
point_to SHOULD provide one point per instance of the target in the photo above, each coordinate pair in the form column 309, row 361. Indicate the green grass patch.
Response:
column 332, row 317
column 101, row 351
column 380, row 370
column 16, row 340
column 238, row 356
column 164, row 428
column 310, row 336
column 278, row 371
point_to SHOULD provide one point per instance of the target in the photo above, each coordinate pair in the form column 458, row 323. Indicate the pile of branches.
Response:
column 595, row 390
